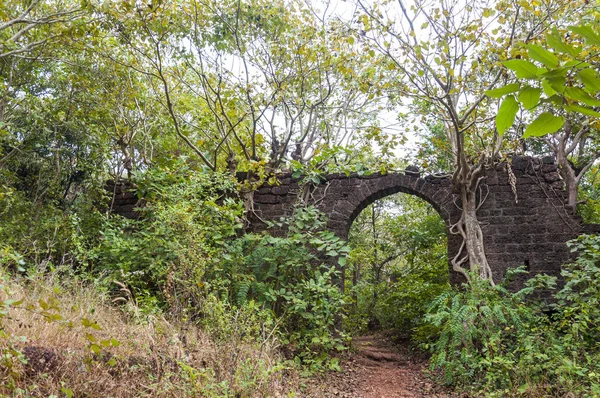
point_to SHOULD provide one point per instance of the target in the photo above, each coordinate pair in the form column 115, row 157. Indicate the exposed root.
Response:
column 471, row 250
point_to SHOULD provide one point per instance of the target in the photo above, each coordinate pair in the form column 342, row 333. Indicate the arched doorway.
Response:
column 398, row 263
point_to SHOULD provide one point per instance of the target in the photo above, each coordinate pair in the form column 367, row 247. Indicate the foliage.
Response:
column 499, row 343
column 184, row 253
column 77, row 343
column 564, row 77
column 296, row 277
column 476, row 327
column 579, row 299
column 557, row 87
column 589, row 190
column 249, row 85
column 165, row 254
column 178, row 96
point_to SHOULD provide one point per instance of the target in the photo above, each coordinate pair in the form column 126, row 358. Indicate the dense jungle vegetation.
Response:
column 179, row 96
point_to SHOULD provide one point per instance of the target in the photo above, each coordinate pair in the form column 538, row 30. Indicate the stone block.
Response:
column 281, row 190
column 549, row 168
column 266, row 199
column 520, row 163
column 548, row 160
column 552, row 177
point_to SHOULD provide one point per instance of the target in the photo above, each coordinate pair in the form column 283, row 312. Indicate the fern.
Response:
column 242, row 292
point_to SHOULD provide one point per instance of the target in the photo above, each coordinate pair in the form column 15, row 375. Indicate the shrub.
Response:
column 163, row 257
column 295, row 277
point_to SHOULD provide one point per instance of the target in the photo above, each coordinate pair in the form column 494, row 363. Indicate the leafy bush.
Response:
column 476, row 326
column 165, row 254
column 579, row 299
column 184, row 253
column 296, row 277
column 32, row 233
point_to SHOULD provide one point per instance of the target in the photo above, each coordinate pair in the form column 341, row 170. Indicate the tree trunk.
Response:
column 472, row 250
column 473, row 237
column 568, row 175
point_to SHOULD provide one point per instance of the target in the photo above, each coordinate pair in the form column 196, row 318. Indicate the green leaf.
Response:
column 530, row 97
column 43, row 304
column 544, row 124
column 557, row 44
column 523, row 69
column 506, row 114
column 579, row 94
column 342, row 261
column 502, row 91
column 540, row 54
column 556, row 72
column 90, row 337
column 590, row 79
column 67, row 391
column 588, row 33
column 583, row 110
column 548, row 90
column 555, row 99
column 558, row 84
column 523, row 389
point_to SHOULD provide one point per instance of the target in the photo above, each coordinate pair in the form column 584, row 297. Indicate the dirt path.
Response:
column 379, row 369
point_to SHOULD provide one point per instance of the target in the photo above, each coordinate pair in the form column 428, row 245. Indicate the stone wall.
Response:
column 529, row 228
column 123, row 199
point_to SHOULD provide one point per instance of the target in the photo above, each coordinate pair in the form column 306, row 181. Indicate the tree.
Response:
column 448, row 55
column 559, row 87
column 248, row 85
column 28, row 25
column 31, row 34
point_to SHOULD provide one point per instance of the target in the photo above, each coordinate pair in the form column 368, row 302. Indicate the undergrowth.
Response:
column 490, row 341
column 177, row 303
column 65, row 337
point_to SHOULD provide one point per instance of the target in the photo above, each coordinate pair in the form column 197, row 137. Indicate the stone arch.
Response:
column 348, row 196
column 525, row 224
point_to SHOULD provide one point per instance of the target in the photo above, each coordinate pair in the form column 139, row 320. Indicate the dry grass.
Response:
column 154, row 356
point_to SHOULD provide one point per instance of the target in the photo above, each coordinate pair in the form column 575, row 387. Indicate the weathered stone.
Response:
column 266, row 199
column 520, row 163
column 412, row 170
column 281, row 190
column 552, row 177
column 549, row 168
column 548, row 160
